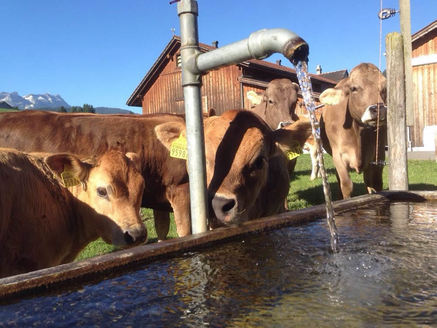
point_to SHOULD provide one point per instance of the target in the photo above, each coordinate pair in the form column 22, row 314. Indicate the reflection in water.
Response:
column 385, row 273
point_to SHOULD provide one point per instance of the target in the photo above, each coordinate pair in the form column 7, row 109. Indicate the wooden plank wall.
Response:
column 425, row 88
column 165, row 94
column 220, row 90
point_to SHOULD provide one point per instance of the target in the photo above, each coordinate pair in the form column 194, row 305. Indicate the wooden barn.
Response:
column 160, row 91
column 424, row 62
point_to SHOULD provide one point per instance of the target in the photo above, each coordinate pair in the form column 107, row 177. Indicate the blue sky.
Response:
column 97, row 52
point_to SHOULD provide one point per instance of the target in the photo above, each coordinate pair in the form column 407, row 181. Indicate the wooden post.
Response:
column 396, row 113
column 404, row 8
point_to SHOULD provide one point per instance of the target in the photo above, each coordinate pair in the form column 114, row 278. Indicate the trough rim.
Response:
column 32, row 283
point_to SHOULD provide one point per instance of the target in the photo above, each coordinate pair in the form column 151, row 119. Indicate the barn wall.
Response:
column 220, row 90
column 424, row 88
column 165, row 94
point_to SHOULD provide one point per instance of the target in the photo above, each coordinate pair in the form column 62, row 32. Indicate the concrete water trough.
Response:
column 98, row 268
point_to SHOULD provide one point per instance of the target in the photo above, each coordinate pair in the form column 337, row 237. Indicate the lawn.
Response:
column 303, row 193
column 7, row 110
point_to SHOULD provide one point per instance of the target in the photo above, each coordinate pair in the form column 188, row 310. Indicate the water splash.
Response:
column 307, row 94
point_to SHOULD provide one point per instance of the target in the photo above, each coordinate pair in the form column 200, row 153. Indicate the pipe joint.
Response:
column 191, row 75
column 267, row 41
column 188, row 7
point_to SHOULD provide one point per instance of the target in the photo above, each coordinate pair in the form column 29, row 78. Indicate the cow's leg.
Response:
column 291, row 166
column 179, row 198
column 373, row 178
column 162, row 223
column 344, row 180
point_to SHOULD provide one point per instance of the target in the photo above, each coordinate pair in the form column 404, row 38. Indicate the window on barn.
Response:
column 178, row 61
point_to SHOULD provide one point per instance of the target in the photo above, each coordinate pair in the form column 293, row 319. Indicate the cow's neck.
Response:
column 85, row 228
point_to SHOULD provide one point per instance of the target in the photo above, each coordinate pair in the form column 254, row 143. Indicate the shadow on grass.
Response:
column 315, row 195
column 422, row 186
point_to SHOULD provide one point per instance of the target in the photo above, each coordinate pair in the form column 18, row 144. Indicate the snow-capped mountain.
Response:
column 33, row 101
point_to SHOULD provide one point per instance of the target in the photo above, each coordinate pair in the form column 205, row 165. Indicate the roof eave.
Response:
column 135, row 98
column 422, row 32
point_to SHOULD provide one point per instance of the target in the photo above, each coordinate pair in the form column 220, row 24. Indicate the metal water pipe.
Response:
column 258, row 45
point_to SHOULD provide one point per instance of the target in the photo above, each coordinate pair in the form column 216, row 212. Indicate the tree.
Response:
column 88, row 108
column 62, row 109
column 75, row 109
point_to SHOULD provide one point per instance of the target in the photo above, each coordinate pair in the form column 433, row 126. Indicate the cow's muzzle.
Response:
column 135, row 235
column 373, row 114
column 226, row 210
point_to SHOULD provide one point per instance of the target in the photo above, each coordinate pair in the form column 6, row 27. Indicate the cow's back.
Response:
column 92, row 135
column 30, row 192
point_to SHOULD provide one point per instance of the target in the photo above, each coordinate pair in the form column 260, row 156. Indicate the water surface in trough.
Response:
column 385, row 273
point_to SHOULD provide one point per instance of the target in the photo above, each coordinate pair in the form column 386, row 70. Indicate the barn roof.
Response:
column 173, row 47
column 424, row 31
column 336, row 75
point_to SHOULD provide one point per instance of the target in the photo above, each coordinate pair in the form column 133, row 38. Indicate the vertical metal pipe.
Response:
column 191, row 82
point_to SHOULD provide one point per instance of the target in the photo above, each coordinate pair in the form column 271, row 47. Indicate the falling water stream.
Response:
column 307, row 94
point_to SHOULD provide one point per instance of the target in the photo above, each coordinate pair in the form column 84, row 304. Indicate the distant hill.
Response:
column 112, row 110
column 33, row 101
column 49, row 102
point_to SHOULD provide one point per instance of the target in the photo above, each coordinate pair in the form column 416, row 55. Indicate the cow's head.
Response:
column 112, row 186
column 363, row 92
column 244, row 165
column 278, row 104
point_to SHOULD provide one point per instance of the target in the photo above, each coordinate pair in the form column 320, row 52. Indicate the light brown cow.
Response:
column 42, row 223
column 277, row 107
column 349, row 137
column 311, row 146
column 93, row 134
column 277, row 104
column 247, row 173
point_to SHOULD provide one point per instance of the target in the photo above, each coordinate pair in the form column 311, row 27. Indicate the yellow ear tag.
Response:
column 294, row 152
column 68, row 179
column 178, row 148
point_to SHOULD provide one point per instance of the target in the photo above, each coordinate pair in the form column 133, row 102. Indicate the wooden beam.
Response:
column 396, row 113
column 404, row 8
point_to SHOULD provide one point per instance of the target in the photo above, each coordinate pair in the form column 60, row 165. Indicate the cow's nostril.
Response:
column 222, row 205
column 229, row 205
column 128, row 238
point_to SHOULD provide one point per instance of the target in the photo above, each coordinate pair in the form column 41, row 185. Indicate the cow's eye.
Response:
column 354, row 88
column 271, row 101
column 102, row 192
column 259, row 163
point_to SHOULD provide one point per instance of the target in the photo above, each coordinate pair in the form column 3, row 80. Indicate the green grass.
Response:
column 303, row 193
column 7, row 110
column 99, row 247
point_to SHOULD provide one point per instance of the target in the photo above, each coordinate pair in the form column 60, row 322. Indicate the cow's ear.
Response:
column 135, row 159
column 169, row 132
column 331, row 96
column 293, row 136
column 295, row 86
column 254, row 98
column 68, row 166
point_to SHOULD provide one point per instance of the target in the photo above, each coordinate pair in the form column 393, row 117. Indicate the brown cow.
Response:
column 350, row 141
column 277, row 107
column 247, row 173
column 311, row 147
column 277, row 104
column 42, row 223
column 93, row 134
